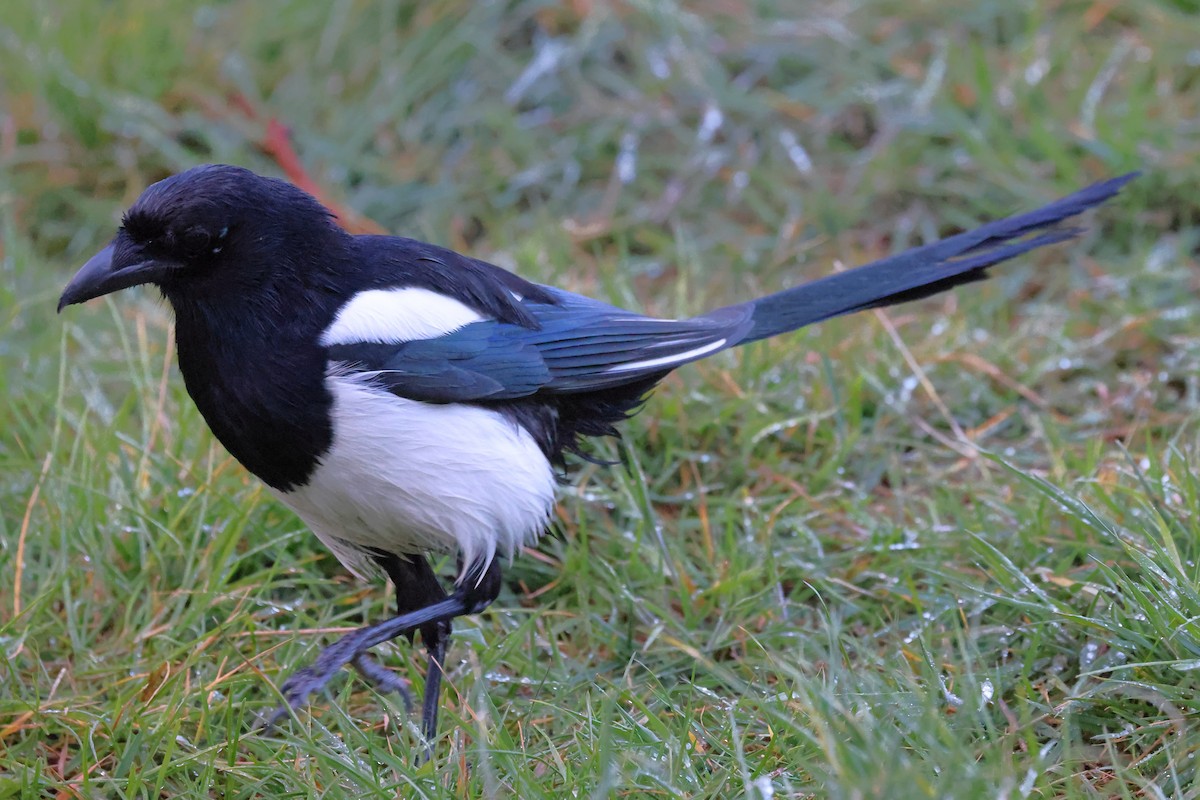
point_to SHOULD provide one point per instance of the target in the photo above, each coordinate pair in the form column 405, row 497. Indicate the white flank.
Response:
column 397, row 315
column 407, row 477
column 678, row 358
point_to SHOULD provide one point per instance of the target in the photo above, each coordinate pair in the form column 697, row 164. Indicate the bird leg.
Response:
column 435, row 645
column 417, row 586
column 473, row 594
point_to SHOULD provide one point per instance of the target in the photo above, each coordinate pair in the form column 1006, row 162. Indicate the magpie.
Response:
column 406, row 400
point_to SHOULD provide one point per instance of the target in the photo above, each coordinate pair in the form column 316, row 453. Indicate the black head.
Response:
column 212, row 230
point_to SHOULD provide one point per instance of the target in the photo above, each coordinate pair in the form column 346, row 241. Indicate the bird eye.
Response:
column 195, row 242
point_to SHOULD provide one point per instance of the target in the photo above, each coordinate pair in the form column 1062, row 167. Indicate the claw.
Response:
column 383, row 679
column 295, row 691
column 308, row 681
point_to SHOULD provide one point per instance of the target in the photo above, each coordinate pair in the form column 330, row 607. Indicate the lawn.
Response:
column 944, row 551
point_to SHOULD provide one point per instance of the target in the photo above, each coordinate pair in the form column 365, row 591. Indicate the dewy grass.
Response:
column 823, row 573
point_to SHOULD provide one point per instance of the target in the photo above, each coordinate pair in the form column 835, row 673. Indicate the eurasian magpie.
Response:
column 404, row 399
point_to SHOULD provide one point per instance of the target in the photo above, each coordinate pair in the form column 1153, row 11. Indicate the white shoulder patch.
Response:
column 397, row 315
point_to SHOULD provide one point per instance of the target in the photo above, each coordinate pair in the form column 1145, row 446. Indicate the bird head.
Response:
column 212, row 229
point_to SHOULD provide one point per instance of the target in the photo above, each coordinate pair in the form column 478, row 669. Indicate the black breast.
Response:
column 261, row 389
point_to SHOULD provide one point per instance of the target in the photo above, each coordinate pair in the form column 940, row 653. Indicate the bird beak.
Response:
column 102, row 274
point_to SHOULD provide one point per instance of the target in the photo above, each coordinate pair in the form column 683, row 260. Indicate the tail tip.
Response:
column 1113, row 185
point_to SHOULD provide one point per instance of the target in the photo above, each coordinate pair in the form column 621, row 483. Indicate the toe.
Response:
column 383, row 679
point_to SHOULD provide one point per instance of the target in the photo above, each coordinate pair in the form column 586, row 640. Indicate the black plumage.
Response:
column 334, row 367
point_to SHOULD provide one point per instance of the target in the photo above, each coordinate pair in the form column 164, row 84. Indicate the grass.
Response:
column 946, row 551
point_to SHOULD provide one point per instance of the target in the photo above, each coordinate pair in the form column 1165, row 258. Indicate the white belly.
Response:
column 409, row 477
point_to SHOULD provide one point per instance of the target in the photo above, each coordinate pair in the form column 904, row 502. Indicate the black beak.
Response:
column 102, row 275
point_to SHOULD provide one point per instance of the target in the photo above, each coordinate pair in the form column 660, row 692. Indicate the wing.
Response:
column 578, row 345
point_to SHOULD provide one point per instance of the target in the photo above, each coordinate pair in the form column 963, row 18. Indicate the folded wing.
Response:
column 580, row 345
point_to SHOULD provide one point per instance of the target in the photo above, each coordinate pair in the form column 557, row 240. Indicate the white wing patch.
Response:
column 397, row 315
column 666, row 361
column 410, row 477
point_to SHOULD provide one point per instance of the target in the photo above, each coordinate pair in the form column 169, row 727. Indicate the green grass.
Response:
column 823, row 574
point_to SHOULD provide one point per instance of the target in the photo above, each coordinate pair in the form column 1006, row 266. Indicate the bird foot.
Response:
column 352, row 649
column 310, row 680
column 384, row 679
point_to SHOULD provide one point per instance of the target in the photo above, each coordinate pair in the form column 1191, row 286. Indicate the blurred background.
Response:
column 946, row 551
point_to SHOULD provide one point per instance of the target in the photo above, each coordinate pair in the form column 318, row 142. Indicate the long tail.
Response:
column 924, row 271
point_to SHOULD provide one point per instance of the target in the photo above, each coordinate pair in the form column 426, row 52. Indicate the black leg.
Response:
column 481, row 587
column 436, row 647
column 472, row 595
column 416, row 587
column 416, row 584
